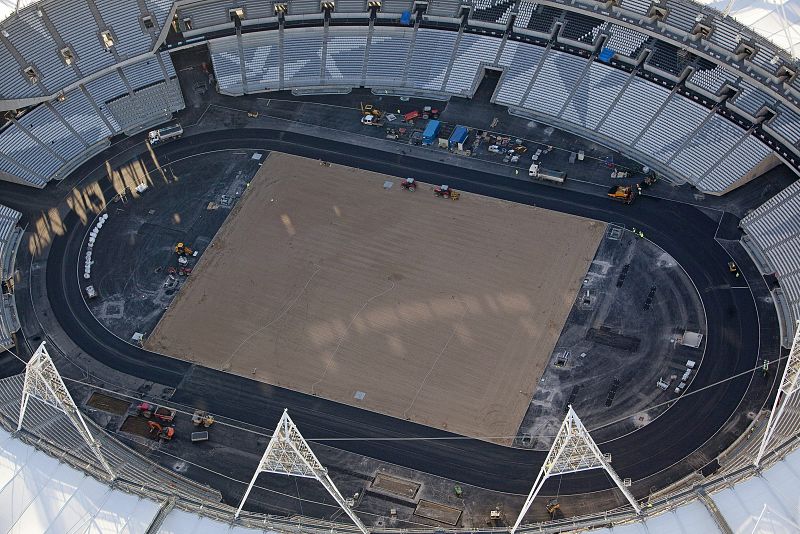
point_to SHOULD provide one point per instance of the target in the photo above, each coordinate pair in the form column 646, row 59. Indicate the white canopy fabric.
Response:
column 39, row 494
column 769, row 503
column 180, row 522
column 777, row 20
column 7, row 7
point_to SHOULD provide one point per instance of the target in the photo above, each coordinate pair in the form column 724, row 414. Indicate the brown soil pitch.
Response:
column 442, row 312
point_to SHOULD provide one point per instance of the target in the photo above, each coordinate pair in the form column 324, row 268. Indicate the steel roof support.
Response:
column 43, row 382
column 573, row 450
column 288, row 454
column 790, row 383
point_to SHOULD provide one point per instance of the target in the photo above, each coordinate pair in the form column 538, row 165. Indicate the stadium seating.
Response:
column 595, row 95
column 31, row 39
column 581, row 28
column 634, row 109
column 302, row 57
column 786, row 124
column 427, row 71
column 227, row 65
column 344, row 56
column 386, row 60
column 554, row 84
column 496, row 11
column 775, row 228
column 750, row 99
column 9, row 237
column 52, row 138
column 521, row 61
column 672, row 128
column 624, row 41
column 712, row 80
column 261, row 59
column 472, row 52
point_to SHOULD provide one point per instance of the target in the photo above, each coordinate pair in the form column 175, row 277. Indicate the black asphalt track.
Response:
column 684, row 231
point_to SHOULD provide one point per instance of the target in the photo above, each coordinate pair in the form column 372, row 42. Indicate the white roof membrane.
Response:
column 777, row 20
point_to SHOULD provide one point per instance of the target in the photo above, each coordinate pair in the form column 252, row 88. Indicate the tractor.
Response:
column 444, row 191
column 409, row 184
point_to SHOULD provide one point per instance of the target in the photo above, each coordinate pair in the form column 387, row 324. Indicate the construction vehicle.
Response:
column 200, row 417
column 733, row 268
column 622, row 193
column 183, row 250
column 411, row 115
column 252, row 114
column 369, row 109
column 409, row 184
column 552, row 507
column 430, row 113
column 371, row 120
column 165, row 134
column 537, row 171
column 157, row 431
column 649, row 180
column 444, row 191
column 148, row 410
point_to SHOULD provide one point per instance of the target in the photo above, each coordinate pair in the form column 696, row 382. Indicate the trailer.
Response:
column 431, row 132
column 547, row 175
column 148, row 410
column 165, row 134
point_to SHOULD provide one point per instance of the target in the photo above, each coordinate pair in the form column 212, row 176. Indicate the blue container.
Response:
column 459, row 136
column 431, row 132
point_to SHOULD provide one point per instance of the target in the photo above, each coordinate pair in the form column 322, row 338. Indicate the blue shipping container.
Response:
column 431, row 131
column 459, row 136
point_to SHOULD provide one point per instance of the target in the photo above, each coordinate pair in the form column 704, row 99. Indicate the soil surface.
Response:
column 325, row 281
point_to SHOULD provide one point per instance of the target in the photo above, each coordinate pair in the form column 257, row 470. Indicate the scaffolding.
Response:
column 573, row 450
column 289, row 454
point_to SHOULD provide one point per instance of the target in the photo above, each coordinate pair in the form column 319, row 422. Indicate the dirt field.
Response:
column 442, row 312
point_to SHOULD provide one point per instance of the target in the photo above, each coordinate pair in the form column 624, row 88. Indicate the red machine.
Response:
column 411, row 115
column 444, row 191
column 409, row 184
column 161, row 432
column 148, row 410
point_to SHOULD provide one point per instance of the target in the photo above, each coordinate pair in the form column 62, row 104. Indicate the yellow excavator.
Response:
column 182, row 249
column 553, row 506
column 369, row 109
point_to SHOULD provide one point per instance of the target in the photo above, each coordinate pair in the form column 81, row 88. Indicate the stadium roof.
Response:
column 777, row 20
